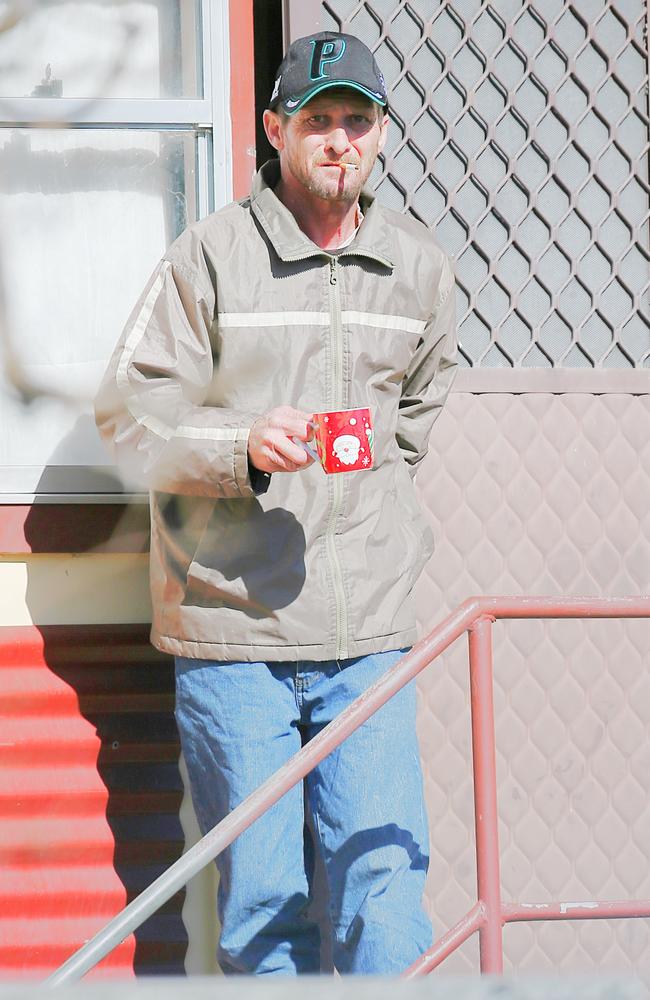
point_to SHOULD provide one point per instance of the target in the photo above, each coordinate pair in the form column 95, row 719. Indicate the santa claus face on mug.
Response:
column 344, row 439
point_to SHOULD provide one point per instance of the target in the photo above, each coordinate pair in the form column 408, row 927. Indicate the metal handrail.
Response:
column 488, row 915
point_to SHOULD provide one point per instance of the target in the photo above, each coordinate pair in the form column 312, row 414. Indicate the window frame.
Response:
column 209, row 118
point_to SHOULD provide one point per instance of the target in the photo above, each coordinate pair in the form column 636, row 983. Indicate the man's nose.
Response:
column 338, row 141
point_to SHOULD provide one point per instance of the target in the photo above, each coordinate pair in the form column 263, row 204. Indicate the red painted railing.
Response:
column 489, row 914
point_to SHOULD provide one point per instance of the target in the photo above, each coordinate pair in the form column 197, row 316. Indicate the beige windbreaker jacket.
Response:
column 245, row 313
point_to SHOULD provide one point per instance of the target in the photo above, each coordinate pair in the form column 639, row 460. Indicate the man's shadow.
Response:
column 125, row 690
column 363, row 842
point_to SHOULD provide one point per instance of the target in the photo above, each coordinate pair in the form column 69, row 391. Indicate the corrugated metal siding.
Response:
column 90, row 793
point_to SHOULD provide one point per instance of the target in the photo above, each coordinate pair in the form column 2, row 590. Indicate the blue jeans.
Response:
column 239, row 722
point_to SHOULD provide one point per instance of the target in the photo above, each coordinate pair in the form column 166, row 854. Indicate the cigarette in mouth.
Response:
column 349, row 166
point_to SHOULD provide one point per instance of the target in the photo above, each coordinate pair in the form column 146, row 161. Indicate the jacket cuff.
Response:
column 260, row 481
column 250, row 480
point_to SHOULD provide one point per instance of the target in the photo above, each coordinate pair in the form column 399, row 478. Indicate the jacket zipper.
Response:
column 336, row 333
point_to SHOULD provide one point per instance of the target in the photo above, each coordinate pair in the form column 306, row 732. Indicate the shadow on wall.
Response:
column 125, row 690
column 128, row 797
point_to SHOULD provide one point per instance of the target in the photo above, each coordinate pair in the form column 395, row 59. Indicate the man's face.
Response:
column 329, row 146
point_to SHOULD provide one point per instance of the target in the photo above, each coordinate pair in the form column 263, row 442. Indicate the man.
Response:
column 283, row 592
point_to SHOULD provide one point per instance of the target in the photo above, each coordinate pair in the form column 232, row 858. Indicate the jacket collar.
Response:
column 289, row 241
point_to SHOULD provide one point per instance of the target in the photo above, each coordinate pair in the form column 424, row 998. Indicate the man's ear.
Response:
column 383, row 134
column 273, row 129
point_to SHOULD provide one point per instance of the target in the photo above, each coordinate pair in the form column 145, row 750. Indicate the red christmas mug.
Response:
column 344, row 440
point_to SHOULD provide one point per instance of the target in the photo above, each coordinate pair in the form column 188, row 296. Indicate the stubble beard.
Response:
column 330, row 188
column 347, row 193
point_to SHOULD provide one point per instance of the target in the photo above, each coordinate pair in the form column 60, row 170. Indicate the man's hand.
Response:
column 270, row 448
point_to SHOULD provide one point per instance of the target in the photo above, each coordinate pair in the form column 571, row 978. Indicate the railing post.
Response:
column 485, row 794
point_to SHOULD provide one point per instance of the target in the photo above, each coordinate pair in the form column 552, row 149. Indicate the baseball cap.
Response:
column 327, row 59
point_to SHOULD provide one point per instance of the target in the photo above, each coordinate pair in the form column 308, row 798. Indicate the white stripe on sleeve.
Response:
column 139, row 327
column 212, row 433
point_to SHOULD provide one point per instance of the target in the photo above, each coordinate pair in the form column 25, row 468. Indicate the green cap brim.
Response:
column 327, row 85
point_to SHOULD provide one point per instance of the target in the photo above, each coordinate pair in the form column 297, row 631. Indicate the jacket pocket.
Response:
column 392, row 544
column 417, row 531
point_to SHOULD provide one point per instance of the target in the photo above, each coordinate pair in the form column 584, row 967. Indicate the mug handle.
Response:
column 310, row 451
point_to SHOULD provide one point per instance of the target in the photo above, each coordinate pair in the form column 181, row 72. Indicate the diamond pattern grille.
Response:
column 519, row 131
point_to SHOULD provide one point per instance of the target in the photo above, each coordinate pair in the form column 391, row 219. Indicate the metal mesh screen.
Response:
column 519, row 131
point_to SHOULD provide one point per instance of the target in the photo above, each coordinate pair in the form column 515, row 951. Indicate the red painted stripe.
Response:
column 76, row 890
column 19, row 954
column 24, row 645
column 103, row 905
column 63, row 700
column 20, row 934
column 89, row 852
column 28, row 752
column 30, row 970
column 29, row 801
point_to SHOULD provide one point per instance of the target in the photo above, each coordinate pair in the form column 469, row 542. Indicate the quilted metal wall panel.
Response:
column 89, row 796
column 544, row 494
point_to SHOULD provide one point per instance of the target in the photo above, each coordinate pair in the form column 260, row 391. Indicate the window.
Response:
column 112, row 139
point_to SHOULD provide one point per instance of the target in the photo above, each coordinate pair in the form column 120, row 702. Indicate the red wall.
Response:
column 89, row 796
